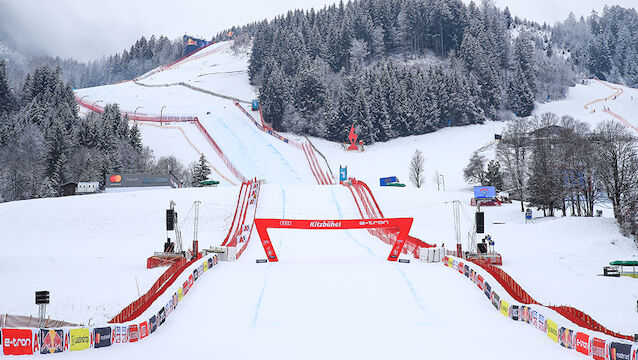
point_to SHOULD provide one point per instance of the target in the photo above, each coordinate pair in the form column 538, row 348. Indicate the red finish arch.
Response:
column 401, row 225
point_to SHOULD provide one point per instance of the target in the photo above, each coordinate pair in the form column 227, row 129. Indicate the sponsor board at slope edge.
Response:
column 102, row 337
column 17, row 341
column 79, row 339
column 50, row 341
column 583, row 343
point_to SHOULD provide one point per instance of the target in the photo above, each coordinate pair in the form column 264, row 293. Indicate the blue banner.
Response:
column 387, row 180
column 484, row 192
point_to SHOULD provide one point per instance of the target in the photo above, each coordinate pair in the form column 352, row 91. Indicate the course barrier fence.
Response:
column 532, row 313
column 574, row 315
column 22, row 341
column 167, row 119
column 369, row 209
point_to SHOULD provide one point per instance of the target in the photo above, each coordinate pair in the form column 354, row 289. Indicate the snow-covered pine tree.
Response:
column 135, row 138
column 200, row 171
column 7, row 100
column 493, row 175
column 474, row 173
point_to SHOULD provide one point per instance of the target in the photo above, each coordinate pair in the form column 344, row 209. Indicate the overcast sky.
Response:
column 89, row 29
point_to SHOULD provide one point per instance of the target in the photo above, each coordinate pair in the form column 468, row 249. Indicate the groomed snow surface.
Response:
column 333, row 294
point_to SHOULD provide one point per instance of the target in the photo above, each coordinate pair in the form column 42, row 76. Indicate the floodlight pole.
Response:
column 135, row 113
column 161, row 113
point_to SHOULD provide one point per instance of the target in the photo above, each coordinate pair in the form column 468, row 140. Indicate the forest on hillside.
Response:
column 405, row 67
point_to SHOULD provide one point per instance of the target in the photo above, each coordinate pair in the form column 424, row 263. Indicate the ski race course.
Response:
column 332, row 293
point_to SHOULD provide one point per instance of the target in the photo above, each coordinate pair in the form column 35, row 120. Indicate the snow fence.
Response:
column 570, row 339
column 57, row 340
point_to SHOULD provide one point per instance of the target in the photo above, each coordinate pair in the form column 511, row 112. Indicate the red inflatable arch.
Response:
column 402, row 225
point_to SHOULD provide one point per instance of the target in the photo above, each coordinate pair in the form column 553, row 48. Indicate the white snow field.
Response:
column 332, row 294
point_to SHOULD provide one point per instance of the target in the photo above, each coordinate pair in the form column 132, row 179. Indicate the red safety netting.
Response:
column 241, row 229
column 519, row 294
column 137, row 307
column 168, row 118
column 369, row 208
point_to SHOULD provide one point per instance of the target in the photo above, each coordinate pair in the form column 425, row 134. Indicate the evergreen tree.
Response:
column 474, row 173
column 135, row 138
column 493, row 175
column 7, row 101
column 200, row 171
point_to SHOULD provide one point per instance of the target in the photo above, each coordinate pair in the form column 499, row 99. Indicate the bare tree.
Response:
column 617, row 151
column 512, row 153
column 417, row 169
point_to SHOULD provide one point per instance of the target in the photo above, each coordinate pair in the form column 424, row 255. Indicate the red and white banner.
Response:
column 17, row 342
column 599, row 349
column 582, row 343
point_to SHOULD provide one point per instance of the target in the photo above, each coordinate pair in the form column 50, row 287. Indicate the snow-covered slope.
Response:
column 220, row 69
column 332, row 294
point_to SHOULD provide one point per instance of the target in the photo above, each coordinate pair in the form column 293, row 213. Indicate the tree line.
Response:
column 560, row 164
column 603, row 45
column 45, row 144
column 143, row 56
column 399, row 67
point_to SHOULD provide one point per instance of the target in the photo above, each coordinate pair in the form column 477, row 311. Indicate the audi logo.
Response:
column 285, row 223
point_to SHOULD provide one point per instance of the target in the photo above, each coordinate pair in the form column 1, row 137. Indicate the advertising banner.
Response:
column 461, row 267
column 472, row 275
column 598, row 349
column 102, row 337
column 541, row 325
column 161, row 317
column 175, row 300
column 526, row 314
column 79, row 339
column 484, row 192
column 210, row 263
column 133, row 333
column 480, row 283
column 180, row 293
column 488, row 291
column 52, row 341
column 513, row 312
column 582, row 343
column 552, row 330
column 496, row 301
column 195, row 275
column 143, row 330
column 17, row 342
column 566, row 337
column 455, row 264
column 505, row 308
column 152, row 322
column 619, row 351
column 205, row 266
column 534, row 318
column 190, row 281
